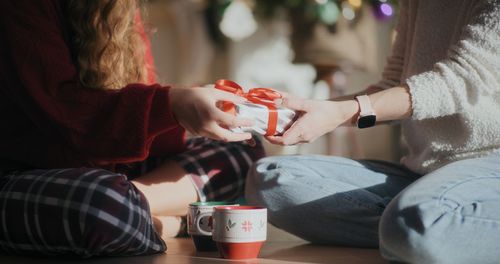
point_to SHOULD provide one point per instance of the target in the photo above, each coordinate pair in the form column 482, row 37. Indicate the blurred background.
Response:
column 310, row 48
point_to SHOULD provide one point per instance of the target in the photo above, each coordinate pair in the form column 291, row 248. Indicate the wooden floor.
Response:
column 281, row 247
column 181, row 251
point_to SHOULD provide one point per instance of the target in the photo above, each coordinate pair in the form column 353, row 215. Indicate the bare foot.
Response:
column 167, row 226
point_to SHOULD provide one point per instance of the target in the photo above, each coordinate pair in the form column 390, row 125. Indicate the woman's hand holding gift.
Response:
column 196, row 111
column 317, row 117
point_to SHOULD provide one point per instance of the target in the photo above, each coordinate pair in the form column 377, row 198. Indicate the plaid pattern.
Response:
column 219, row 169
column 88, row 211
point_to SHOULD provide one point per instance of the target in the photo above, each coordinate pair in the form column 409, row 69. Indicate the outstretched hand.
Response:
column 317, row 117
column 196, row 111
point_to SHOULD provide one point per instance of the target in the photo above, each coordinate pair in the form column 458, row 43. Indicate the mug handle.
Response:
column 198, row 220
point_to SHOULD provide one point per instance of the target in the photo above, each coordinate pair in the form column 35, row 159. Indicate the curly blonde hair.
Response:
column 108, row 48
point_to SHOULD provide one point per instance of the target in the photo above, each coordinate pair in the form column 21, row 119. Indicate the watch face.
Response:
column 367, row 121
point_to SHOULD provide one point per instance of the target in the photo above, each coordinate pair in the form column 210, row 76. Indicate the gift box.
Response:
column 260, row 114
column 270, row 119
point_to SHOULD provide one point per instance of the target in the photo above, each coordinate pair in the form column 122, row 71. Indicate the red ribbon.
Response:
column 262, row 96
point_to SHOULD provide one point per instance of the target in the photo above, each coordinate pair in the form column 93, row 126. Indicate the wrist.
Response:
column 349, row 110
column 176, row 102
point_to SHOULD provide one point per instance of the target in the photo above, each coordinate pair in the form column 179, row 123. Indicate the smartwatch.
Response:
column 367, row 116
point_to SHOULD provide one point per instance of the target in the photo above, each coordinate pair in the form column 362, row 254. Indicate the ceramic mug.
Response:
column 199, row 227
column 239, row 231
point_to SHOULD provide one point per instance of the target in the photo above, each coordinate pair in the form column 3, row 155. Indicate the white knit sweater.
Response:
column 448, row 53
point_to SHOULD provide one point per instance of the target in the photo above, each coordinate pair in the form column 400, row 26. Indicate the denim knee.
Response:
column 262, row 181
column 402, row 232
column 275, row 182
column 268, row 184
column 307, row 196
column 416, row 226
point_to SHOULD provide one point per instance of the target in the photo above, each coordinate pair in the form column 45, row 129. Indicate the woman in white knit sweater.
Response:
column 442, row 204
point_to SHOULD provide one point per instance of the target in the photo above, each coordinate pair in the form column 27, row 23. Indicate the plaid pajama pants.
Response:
column 87, row 212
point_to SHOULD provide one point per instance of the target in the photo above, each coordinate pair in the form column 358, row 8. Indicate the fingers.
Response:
column 216, row 132
column 277, row 140
column 293, row 134
column 299, row 132
column 295, row 103
column 219, row 95
column 284, row 95
column 229, row 120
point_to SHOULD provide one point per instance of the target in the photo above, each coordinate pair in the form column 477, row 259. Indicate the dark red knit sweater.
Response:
column 49, row 121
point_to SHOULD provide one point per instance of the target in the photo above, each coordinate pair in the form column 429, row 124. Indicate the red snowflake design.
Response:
column 247, row 226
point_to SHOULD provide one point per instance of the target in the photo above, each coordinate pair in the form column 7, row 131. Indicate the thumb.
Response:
column 226, row 96
column 295, row 103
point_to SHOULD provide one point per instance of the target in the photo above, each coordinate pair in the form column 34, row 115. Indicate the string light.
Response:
column 386, row 9
column 238, row 21
column 348, row 12
column 355, row 3
column 383, row 9
column 329, row 13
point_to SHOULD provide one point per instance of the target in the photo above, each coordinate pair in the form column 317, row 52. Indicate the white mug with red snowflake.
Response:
column 239, row 231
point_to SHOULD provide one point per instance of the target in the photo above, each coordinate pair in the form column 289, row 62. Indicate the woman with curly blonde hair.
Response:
column 94, row 159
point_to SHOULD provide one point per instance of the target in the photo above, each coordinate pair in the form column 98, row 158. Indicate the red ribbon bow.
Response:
column 262, row 96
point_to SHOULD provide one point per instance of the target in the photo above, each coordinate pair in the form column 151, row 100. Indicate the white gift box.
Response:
column 260, row 114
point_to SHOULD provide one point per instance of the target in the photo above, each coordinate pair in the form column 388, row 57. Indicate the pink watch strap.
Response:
column 365, row 106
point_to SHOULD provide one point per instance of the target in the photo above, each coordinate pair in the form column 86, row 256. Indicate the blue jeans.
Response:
column 451, row 215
